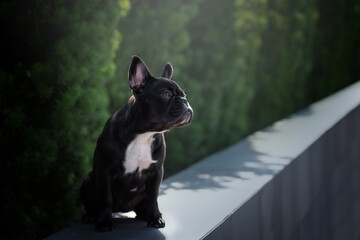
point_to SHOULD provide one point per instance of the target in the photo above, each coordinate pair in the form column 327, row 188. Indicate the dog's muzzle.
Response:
column 187, row 116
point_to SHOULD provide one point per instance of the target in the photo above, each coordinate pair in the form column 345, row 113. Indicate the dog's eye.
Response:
column 166, row 94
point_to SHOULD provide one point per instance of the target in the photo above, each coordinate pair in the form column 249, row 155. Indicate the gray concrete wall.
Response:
column 317, row 196
column 297, row 179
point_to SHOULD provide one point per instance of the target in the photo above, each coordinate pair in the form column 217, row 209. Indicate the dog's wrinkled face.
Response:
column 162, row 101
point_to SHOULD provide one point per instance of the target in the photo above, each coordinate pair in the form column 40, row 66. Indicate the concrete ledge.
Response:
column 298, row 179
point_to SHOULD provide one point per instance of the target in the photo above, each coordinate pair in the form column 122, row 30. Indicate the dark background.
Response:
column 243, row 64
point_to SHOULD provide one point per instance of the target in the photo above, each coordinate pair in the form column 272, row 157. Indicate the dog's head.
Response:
column 162, row 102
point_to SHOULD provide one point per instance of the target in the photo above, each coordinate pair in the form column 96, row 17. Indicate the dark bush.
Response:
column 56, row 57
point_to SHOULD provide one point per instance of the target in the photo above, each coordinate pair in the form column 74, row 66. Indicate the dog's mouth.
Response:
column 185, row 118
column 188, row 115
column 179, row 121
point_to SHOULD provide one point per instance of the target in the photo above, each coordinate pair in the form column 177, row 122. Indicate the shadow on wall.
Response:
column 261, row 155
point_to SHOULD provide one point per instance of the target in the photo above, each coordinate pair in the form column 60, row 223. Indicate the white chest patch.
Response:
column 138, row 153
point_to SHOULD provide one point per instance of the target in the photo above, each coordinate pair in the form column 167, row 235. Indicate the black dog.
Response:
column 130, row 152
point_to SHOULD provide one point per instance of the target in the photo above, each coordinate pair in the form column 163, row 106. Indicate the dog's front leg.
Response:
column 103, row 221
column 148, row 209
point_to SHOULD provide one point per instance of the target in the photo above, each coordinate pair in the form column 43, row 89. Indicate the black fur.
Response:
column 158, row 105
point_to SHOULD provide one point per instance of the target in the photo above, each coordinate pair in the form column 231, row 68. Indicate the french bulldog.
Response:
column 130, row 152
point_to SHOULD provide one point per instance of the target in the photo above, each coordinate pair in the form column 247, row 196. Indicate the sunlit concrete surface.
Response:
column 298, row 179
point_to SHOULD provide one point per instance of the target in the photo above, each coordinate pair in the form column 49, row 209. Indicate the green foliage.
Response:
column 213, row 78
column 305, row 50
column 243, row 64
column 282, row 36
column 58, row 58
column 336, row 48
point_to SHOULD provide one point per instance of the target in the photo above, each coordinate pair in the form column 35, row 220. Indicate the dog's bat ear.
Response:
column 138, row 73
column 168, row 71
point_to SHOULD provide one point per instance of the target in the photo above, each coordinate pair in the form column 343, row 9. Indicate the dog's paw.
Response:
column 104, row 226
column 156, row 222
